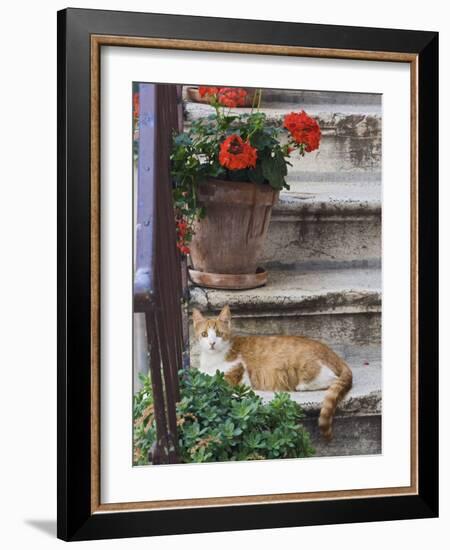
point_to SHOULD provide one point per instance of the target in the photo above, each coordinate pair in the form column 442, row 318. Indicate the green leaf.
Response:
column 256, row 174
column 182, row 139
column 274, row 169
column 261, row 140
column 221, row 422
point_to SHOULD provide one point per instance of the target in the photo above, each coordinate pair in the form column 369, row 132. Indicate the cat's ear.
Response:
column 197, row 317
column 225, row 315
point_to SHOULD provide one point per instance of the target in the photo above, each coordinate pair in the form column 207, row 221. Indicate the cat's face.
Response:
column 213, row 335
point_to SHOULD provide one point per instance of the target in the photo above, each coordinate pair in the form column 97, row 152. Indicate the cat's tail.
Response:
column 333, row 395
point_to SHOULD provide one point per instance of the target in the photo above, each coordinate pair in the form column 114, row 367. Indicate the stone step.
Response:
column 339, row 158
column 365, row 396
column 352, row 435
column 350, row 144
column 357, row 422
column 340, row 120
column 350, row 102
column 338, row 306
column 346, row 101
column 325, row 224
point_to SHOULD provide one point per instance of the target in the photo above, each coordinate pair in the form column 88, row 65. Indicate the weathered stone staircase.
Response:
column 323, row 253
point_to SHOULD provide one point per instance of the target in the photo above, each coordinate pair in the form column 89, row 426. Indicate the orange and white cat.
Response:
column 276, row 363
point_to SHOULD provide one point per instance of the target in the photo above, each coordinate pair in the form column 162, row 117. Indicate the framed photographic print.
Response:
column 247, row 274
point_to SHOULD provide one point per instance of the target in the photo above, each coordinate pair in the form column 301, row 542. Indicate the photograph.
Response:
column 277, row 216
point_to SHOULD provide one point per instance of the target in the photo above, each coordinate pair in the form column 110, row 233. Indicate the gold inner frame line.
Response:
column 97, row 41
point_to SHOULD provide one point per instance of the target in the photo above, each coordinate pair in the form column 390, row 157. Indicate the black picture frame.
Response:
column 75, row 518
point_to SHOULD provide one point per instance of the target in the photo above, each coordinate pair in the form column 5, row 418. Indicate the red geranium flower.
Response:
column 181, row 227
column 182, row 230
column 186, row 250
column 136, row 105
column 183, row 249
column 236, row 154
column 207, row 90
column 232, row 97
column 304, row 130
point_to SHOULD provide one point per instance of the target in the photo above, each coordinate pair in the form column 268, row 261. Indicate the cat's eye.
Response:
column 218, row 333
column 204, row 334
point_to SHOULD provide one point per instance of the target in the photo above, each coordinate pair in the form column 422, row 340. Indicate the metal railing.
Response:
column 158, row 286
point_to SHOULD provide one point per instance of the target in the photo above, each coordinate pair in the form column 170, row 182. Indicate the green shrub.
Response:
column 219, row 422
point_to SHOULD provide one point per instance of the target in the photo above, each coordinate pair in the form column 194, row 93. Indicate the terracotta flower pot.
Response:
column 194, row 95
column 228, row 241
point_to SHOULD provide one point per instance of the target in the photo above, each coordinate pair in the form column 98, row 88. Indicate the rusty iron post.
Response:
column 158, row 287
